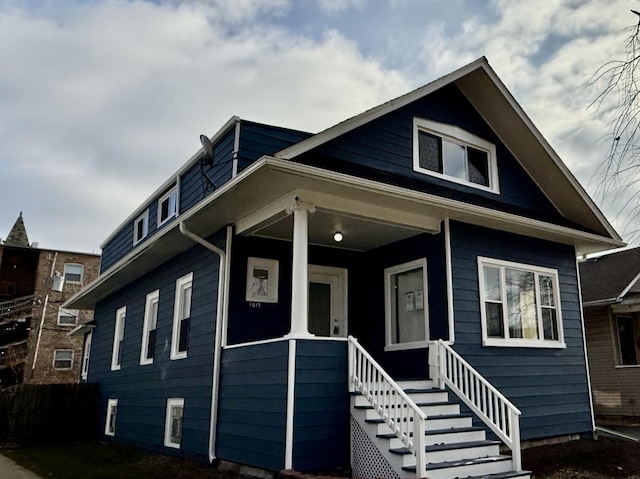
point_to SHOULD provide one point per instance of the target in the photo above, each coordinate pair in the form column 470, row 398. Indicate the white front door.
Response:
column 327, row 301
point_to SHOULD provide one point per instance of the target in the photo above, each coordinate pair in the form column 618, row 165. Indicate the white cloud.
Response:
column 337, row 6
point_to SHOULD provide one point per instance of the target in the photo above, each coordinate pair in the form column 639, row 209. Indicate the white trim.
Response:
column 86, row 356
column 449, row 273
column 458, row 136
column 144, row 217
column 501, row 265
column 68, row 281
column 118, row 338
column 584, row 348
column 291, row 400
column 54, row 359
column 182, row 284
column 272, row 267
column 236, row 149
column 172, row 192
column 420, row 263
column 172, row 179
column 172, row 403
column 151, row 299
column 75, row 313
column 111, row 403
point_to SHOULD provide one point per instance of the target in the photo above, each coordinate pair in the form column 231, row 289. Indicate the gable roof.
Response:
column 486, row 92
column 18, row 234
column 609, row 278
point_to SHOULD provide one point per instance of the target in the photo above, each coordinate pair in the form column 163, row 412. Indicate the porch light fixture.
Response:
column 337, row 236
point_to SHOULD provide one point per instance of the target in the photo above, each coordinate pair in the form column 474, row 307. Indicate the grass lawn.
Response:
column 587, row 459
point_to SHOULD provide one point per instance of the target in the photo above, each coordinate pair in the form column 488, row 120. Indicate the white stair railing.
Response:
column 398, row 411
column 495, row 410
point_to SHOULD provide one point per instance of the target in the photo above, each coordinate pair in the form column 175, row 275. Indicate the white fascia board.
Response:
column 172, row 179
column 378, row 111
column 630, row 285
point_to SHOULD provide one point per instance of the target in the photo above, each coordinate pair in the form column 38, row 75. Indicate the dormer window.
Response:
column 451, row 153
column 141, row 227
column 167, row 206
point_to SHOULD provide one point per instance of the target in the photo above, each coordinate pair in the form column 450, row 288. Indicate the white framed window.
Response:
column 168, row 205
column 118, row 337
column 520, row 305
column 86, row 353
column 73, row 273
column 141, row 227
column 451, row 153
column 173, row 422
column 67, row 317
column 149, row 327
column 181, row 317
column 110, row 423
column 406, row 305
column 628, row 338
column 63, row 359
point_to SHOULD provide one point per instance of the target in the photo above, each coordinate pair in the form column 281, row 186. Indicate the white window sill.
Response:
column 178, row 356
column 523, row 343
column 627, row 366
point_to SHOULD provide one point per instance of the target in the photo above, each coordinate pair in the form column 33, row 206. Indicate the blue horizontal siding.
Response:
column 142, row 391
column 382, row 150
column 253, row 405
column 549, row 386
column 321, row 417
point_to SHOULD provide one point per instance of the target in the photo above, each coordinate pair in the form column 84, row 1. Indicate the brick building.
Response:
column 35, row 345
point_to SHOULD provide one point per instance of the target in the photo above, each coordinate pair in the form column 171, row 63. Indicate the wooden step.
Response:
column 440, row 453
column 417, row 395
column 503, row 475
column 433, row 423
column 466, row 468
column 430, row 409
column 442, row 436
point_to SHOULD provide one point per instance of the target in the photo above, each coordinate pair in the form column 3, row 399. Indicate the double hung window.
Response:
column 181, row 317
column 73, row 273
column 118, row 337
column 168, row 205
column 454, row 154
column 67, row 317
column 141, row 227
column 63, row 359
column 149, row 328
column 520, row 305
column 85, row 356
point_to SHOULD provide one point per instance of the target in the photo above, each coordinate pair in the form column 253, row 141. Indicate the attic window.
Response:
column 451, row 153
column 167, row 206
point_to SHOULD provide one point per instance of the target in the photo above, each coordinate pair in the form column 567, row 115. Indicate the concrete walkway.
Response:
column 11, row 470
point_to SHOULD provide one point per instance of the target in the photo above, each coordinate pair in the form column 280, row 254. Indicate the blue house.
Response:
column 397, row 294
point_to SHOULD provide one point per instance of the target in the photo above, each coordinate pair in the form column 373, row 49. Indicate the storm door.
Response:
column 327, row 301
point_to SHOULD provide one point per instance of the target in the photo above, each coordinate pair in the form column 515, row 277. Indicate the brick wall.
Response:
column 46, row 334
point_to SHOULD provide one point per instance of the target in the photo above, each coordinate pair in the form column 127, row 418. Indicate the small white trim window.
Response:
column 118, row 337
column 173, row 422
column 168, row 206
column 149, row 327
column 86, row 353
column 181, row 317
column 63, row 359
column 67, row 317
column 406, row 306
column 451, row 153
column 520, row 305
column 73, row 273
column 141, row 227
column 110, row 423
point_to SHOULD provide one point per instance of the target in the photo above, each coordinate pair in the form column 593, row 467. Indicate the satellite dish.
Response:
column 208, row 150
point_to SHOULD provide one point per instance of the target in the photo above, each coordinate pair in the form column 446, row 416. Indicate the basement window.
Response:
column 63, row 359
column 451, row 153
column 173, row 422
column 110, row 423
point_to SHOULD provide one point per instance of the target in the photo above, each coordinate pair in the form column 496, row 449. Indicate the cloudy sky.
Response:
column 101, row 100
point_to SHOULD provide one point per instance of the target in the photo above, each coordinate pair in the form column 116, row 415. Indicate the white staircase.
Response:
column 454, row 448
column 412, row 429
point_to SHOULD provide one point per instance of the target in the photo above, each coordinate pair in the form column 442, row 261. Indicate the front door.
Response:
column 327, row 301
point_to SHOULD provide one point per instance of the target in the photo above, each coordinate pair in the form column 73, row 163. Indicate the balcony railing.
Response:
column 16, row 306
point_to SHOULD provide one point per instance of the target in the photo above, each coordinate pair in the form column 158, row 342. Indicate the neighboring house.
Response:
column 611, row 301
column 35, row 345
column 371, row 257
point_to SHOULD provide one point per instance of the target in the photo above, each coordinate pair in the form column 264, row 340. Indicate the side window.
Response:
column 628, row 328
column 141, row 227
column 149, row 328
column 454, row 154
column 118, row 336
column 181, row 317
column 73, row 273
column 168, row 206
column 173, row 422
column 406, row 308
column 67, row 317
column 110, row 423
column 520, row 305
column 63, row 359
column 85, row 356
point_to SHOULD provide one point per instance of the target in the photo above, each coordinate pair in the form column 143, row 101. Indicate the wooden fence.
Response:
column 49, row 412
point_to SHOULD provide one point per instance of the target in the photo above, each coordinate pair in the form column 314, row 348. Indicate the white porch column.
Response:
column 300, row 269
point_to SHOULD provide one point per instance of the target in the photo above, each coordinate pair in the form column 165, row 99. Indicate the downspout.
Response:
column 220, row 311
